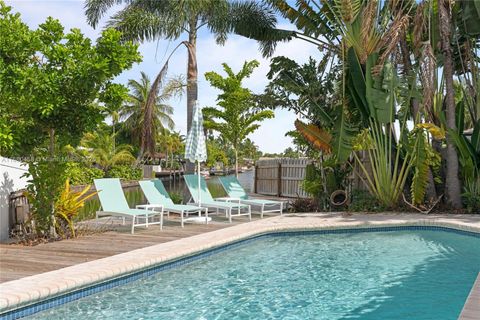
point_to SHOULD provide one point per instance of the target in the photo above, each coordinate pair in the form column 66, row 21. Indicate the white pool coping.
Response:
column 28, row 290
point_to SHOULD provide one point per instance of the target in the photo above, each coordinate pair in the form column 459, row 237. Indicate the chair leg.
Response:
column 229, row 215
column 161, row 219
column 146, row 221
column 206, row 216
column 133, row 224
column 281, row 208
column 261, row 211
column 249, row 213
column 123, row 220
column 181, row 217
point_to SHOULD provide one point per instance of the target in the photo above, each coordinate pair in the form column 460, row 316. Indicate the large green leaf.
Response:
column 357, row 80
column 343, row 135
column 420, row 171
column 380, row 94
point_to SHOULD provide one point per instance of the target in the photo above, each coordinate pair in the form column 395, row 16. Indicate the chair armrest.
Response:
column 151, row 207
column 228, row 199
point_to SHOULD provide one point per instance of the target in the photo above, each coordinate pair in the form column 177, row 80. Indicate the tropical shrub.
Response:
column 176, row 197
column 79, row 173
column 44, row 188
column 67, row 207
column 363, row 201
column 471, row 195
column 125, row 172
column 304, row 205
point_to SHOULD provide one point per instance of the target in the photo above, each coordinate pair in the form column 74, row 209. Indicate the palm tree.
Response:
column 103, row 152
column 235, row 116
column 172, row 143
column 147, row 20
column 145, row 121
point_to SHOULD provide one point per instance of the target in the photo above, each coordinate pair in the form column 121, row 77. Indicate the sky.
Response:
column 270, row 137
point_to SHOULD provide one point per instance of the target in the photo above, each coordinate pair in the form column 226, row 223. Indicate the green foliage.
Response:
column 125, row 172
column 52, row 79
column 47, row 178
column 304, row 205
column 53, row 87
column 363, row 201
column 173, row 145
column 236, row 116
column 67, row 208
column 138, row 114
column 176, row 197
column 471, row 194
column 321, row 185
column 389, row 171
column 424, row 158
column 216, row 153
column 79, row 173
column 103, row 152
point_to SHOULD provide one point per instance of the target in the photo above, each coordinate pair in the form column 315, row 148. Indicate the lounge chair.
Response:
column 155, row 193
column 113, row 203
column 206, row 200
column 235, row 191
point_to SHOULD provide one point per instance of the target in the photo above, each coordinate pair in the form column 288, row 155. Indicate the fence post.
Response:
column 255, row 179
column 279, row 179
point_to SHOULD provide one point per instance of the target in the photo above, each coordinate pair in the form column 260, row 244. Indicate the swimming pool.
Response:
column 420, row 274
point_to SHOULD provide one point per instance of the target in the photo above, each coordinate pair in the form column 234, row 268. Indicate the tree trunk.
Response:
column 192, row 84
column 452, row 182
column 236, row 162
column 51, row 149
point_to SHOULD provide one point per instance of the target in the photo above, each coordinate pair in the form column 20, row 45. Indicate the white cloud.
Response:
column 270, row 136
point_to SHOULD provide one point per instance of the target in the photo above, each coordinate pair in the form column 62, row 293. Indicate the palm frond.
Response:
column 95, row 9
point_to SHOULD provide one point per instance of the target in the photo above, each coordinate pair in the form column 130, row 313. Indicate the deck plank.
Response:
column 18, row 261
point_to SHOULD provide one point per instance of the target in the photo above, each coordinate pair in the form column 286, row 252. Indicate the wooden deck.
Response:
column 18, row 261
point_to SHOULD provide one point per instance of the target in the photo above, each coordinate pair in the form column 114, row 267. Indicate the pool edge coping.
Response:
column 81, row 277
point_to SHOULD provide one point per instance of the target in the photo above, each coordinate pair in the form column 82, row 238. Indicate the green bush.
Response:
column 471, row 196
column 125, row 172
column 363, row 201
column 80, row 173
column 176, row 197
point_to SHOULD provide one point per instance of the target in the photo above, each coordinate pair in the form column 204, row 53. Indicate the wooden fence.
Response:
column 281, row 177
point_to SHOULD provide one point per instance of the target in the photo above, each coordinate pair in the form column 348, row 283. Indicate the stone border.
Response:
column 29, row 290
column 471, row 309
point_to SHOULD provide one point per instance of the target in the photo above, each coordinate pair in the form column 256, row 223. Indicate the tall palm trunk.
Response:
column 192, row 74
column 452, row 181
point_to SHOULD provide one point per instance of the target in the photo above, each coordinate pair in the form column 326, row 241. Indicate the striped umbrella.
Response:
column 196, row 148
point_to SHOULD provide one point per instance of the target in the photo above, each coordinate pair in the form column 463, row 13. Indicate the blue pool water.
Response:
column 379, row 275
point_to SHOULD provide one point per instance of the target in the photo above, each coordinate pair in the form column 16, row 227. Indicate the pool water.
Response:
column 377, row 275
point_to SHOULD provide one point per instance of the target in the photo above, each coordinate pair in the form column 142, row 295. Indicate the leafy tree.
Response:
column 144, row 122
column 248, row 149
column 290, row 153
column 170, row 19
column 50, row 89
column 237, row 115
column 216, row 153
